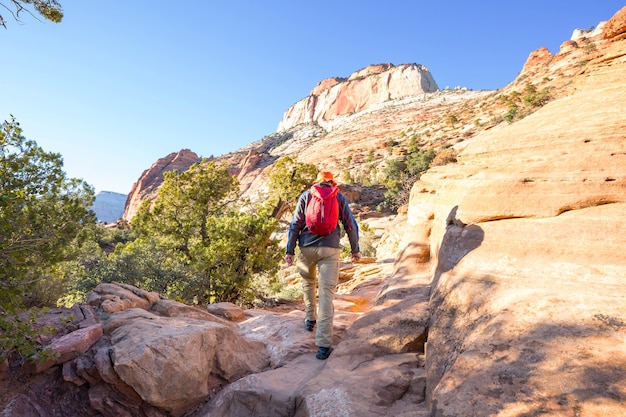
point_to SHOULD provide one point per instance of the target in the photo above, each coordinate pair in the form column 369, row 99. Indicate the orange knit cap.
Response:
column 325, row 176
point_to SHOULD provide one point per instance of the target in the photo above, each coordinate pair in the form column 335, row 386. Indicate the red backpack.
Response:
column 322, row 210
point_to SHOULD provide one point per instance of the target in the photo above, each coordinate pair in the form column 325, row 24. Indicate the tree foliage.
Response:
column 401, row 175
column 185, row 204
column 521, row 104
column 288, row 179
column 42, row 212
column 240, row 249
column 195, row 242
column 141, row 263
column 49, row 9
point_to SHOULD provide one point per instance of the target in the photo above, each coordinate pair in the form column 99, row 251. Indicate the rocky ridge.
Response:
column 504, row 299
column 369, row 86
column 331, row 104
column 147, row 186
column 527, row 261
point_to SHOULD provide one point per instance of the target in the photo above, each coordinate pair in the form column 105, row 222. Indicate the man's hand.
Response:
column 356, row 257
column 289, row 259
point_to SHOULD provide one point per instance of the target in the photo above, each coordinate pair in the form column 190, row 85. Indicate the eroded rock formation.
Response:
column 526, row 249
column 365, row 88
column 148, row 184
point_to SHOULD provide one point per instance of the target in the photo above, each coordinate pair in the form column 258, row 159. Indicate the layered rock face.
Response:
column 148, row 184
column 365, row 88
column 525, row 242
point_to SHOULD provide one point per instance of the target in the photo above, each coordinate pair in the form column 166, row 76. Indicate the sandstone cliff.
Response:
column 148, row 184
column 525, row 257
column 365, row 88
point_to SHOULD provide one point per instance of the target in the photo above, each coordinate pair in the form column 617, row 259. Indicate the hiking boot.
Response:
column 323, row 352
column 309, row 325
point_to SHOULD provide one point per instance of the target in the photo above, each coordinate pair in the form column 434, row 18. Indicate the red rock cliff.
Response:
column 151, row 179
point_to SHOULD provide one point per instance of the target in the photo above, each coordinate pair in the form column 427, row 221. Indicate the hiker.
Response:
column 319, row 253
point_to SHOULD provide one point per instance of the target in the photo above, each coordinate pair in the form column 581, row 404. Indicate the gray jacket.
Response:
column 300, row 234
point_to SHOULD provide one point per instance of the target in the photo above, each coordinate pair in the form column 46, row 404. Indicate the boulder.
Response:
column 67, row 347
column 114, row 297
column 173, row 308
column 229, row 311
column 174, row 363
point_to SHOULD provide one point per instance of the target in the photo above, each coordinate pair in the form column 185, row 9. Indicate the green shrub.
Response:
column 511, row 115
column 346, row 177
column 366, row 241
column 401, row 175
column 19, row 336
column 522, row 104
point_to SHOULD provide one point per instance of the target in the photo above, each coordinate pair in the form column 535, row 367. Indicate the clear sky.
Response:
column 119, row 84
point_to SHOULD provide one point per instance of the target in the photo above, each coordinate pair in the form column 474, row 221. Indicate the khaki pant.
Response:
column 325, row 260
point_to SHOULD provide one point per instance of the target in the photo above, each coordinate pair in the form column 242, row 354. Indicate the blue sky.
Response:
column 119, row 84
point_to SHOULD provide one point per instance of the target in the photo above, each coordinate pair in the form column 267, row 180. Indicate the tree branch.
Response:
column 19, row 8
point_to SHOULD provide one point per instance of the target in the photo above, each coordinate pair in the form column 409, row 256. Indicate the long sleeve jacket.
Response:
column 300, row 234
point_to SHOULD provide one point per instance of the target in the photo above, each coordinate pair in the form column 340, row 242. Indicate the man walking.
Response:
column 319, row 255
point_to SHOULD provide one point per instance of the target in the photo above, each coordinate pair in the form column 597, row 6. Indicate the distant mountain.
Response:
column 109, row 206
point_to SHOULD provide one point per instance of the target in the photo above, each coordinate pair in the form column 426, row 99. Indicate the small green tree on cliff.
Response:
column 401, row 175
